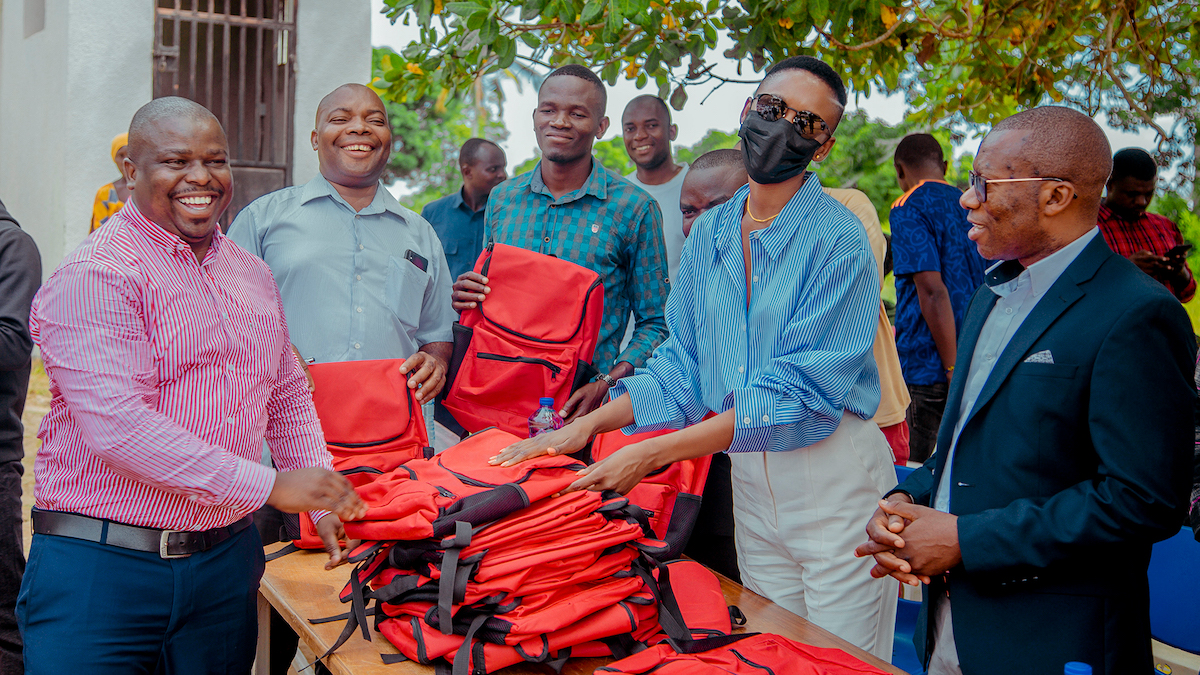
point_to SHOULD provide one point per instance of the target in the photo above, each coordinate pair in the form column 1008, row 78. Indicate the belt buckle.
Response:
column 162, row 546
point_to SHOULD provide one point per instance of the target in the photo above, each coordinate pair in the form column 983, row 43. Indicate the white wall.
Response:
column 33, row 121
column 66, row 91
column 333, row 47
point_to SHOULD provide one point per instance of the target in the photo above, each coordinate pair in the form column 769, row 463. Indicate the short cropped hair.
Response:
column 666, row 109
column 815, row 66
column 472, row 149
column 163, row 108
column 1134, row 162
column 583, row 73
column 714, row 159
column 917, row 150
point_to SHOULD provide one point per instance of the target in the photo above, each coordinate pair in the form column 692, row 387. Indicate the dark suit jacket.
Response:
column 1065, row 473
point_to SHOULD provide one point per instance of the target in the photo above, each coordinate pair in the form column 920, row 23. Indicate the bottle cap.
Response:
column 546, row 402
column 1077, row 668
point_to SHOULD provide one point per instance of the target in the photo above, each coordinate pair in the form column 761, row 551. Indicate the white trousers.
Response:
column 800, row 515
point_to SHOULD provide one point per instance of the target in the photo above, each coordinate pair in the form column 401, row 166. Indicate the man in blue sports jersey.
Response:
column 937, row 269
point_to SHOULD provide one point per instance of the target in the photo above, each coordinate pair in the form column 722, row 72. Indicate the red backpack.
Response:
column 670, row 495
column 372, row 424
column 534, row 336
column 749, row 654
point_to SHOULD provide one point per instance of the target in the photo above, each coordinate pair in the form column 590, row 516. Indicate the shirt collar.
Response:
column 383, row 200
column 160, row 237
column 595, row 185
column 1007, row 276
column 775, row 237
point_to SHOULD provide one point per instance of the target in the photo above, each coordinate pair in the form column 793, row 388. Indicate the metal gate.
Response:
column 236, row 58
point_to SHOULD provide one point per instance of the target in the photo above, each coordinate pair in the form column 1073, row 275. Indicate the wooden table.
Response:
column 298, row 586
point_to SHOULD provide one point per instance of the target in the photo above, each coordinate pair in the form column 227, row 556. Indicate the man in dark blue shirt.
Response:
column 937, row 269
column 458, row 218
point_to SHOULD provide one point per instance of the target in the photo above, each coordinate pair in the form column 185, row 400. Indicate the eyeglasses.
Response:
column 809, row 124
column 980, row 183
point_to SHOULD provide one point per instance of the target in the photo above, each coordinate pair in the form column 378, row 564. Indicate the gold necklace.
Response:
column 759, row 220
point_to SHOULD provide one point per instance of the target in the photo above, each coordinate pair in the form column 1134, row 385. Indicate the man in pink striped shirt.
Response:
column 169, row 364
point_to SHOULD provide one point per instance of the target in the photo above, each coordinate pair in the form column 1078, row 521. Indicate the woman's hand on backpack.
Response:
column 564, row 441
column 468, row 291
column 620, row 471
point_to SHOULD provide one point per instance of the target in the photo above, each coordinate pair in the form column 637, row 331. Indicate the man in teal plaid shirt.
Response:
column 572, row 208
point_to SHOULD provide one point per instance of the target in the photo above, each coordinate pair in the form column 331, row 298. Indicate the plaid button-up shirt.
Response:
column 1148, row 232
column 609, row 226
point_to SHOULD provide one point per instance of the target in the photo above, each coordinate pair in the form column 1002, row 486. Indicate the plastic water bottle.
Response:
column 1077, row 668
column 545, row 419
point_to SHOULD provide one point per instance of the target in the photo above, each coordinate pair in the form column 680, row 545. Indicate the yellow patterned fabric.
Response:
column 105, row 205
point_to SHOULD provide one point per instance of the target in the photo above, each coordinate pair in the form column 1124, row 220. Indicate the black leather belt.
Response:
column 166, row 543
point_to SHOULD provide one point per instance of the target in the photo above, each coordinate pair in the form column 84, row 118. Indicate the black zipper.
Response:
column 587, row 298
column 749, row 662
column 554, row 370
column 361, row 469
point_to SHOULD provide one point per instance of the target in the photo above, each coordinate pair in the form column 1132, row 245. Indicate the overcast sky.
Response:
column 719, row 111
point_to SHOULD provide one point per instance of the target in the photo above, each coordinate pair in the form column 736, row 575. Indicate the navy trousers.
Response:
column 92, row 608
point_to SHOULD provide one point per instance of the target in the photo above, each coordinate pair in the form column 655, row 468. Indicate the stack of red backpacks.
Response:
column 477, row 567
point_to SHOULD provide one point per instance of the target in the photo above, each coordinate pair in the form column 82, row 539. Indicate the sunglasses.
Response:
column 980, row 183
column 808, row 124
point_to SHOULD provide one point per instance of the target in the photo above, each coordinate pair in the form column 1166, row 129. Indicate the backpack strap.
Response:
column 290, row 548
column 462, row 659
column 449, row 579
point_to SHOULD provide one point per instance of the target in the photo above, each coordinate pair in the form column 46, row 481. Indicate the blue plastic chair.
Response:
column 1175, row 592
column 904, row 654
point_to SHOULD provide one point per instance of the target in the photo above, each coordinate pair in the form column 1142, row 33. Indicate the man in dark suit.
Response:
column 1065, row 449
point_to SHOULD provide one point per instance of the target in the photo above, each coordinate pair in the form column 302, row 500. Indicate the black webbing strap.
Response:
column 559, row 660
column 697, row 646
column 670, row 617
column 736, row 617
column 389, row 659
column 340, row 617
column 290, row 548
column 357, row 616
column 462, row 539
column 623, row 645
column 462, row 658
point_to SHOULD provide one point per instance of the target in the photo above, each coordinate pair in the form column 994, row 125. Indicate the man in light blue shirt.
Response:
column 361, row 276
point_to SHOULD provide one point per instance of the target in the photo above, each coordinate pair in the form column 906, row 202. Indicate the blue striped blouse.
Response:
column 793, row 361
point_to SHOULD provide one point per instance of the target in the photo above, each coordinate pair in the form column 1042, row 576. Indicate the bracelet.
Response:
column 605, row 378
column 950, row 370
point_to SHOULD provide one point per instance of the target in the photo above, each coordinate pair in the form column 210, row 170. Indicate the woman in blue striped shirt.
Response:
column 772, row 325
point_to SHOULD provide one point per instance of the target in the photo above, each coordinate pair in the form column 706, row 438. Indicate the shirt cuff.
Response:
column 251, row 486
column 648, row 400
column 754, row 421
column 317, row 516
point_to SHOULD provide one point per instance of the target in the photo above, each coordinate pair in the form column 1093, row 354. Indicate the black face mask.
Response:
column 774, row 151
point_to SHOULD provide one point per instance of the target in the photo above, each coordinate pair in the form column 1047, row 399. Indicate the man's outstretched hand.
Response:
column 316, row 489
column 330, row 530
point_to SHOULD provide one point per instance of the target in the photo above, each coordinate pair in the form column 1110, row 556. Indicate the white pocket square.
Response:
column 1043, row 356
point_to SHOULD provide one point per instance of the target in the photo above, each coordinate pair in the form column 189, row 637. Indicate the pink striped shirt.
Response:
column 165, row 377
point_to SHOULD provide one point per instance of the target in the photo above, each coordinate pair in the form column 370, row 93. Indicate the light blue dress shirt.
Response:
column 1018, row 297
column 792, row 361
column 349, row 292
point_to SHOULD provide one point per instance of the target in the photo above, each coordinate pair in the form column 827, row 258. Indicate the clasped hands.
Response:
column 910, row 542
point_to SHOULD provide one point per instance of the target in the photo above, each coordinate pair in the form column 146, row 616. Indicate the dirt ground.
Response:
column 36, row 407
